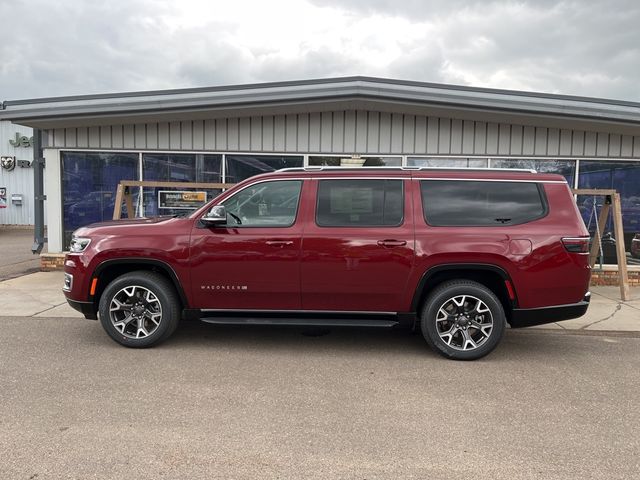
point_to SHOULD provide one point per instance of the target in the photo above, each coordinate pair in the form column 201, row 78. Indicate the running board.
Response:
column 301, row 322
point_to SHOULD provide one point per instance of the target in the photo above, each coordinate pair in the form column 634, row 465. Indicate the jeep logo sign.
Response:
column 21, row 141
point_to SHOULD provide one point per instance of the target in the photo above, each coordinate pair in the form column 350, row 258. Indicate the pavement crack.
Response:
column 47, row 309
column 616, row 310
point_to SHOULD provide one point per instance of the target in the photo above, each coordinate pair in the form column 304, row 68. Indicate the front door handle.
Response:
column 279, row 243
column 392, row 243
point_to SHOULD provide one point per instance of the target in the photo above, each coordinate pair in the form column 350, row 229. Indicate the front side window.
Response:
column 359, row 203
column 265, row 204
column 449, row 203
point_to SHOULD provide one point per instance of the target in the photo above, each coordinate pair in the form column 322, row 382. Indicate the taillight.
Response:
column 576, row 244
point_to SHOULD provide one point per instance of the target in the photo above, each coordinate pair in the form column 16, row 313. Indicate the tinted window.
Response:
column 475, row 203
column 266, row 204
column 359, row 203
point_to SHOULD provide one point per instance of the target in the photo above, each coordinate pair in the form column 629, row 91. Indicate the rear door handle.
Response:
column 392, row 243
column 279, row 243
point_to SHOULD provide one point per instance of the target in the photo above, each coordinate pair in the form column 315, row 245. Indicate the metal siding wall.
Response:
column 336, row 127
column 152, row 136
column 456, row 137
column 348, row 132
column 433, row 134
column 303, row 132
column 244, row 135
column 279, row 134
column 480, row 138
column 468, row 136
column 384, row 133
column 444, row 136
column 186, row 135
column 361, row 131
column 421, row 134
column 233, row 134
column 19, row 180
column 553, row 142
column 409, row 134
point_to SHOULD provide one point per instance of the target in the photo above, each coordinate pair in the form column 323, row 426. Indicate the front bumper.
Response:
column 528, row 317
column 86, row 308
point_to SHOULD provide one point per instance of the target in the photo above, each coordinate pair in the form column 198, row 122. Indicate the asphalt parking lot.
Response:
column 234, row 402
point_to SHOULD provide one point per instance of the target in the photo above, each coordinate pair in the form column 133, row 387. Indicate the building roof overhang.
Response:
column 350, row 93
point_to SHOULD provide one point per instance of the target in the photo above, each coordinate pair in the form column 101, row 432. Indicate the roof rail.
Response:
column 314, row 168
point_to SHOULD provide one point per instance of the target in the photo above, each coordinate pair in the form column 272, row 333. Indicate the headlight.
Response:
column 79, row 244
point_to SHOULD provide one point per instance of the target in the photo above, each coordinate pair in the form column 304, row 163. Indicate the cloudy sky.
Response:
column 66, row 47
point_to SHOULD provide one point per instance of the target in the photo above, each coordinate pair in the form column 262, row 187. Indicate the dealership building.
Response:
column 226, row 134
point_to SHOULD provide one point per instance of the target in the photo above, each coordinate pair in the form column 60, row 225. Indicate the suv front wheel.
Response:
column 139, row 309
column 462, row 320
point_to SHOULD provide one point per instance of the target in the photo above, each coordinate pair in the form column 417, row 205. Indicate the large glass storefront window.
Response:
column 566, row 168
column 240, row 167
column 366, row 161
column 89, row 182
column 177, row 167
column 623, row 177
column 447, row 162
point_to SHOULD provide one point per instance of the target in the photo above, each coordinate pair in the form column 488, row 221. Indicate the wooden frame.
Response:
column 611, row 205
column 124, row 192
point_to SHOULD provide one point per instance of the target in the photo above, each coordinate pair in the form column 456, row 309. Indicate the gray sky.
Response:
column 67, row 47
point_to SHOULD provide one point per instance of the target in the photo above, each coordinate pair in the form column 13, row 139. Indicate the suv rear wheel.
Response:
column 139, row 309
column 463, row 320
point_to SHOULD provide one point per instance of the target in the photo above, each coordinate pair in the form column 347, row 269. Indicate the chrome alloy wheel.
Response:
column 464, row 322
column 135, row 311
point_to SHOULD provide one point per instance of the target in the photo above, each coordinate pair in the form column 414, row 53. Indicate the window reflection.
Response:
column 566, row 168
column 89, row 183
column 177, row 167
column 447, row 162
column 241, row 167
column 332, row 161
column 623, row 177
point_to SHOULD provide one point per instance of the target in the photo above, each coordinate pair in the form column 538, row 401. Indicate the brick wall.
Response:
column 51, row 261
column 609, row 276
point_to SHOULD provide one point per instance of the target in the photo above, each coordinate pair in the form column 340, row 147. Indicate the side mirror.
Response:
column 216, row 216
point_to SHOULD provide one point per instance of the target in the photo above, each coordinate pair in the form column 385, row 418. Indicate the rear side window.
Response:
column 359, row 203
column 476, row 203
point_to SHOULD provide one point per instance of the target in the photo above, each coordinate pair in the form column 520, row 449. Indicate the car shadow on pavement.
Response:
column 353, row 340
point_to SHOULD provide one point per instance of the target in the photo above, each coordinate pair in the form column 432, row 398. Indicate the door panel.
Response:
column 363, row 268
column 241, row 266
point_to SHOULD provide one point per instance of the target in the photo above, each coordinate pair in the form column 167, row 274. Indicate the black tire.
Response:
column 442, row 315
column 162, row 304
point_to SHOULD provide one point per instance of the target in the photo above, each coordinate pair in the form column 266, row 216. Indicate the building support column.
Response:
column 53, row 181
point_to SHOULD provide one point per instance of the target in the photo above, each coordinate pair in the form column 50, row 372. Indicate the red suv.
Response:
column 456, row 253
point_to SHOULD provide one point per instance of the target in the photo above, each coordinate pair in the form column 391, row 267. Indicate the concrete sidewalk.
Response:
column 39, row 295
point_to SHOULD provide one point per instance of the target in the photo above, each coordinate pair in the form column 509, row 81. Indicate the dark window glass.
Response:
column 623, row 177
column 447, row 162
column 475, row 203
column 178, row 167
column 89, row 183
column 319, row 161
column 359, row 203
column 241, row 167
column 266, row 204
column 566, row 168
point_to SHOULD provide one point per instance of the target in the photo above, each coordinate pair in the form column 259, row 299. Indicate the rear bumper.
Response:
column 85, row 308
column 528, row 317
